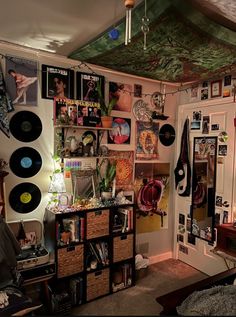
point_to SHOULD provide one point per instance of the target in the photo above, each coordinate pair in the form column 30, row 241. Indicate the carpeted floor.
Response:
column 140, row 300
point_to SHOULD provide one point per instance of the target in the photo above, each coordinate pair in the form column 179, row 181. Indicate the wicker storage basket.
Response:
column 70, row 260
column 97, row 223
column 123, row 247
column 97, row 284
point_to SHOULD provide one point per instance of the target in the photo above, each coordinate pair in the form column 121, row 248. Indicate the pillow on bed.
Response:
column 215, row 301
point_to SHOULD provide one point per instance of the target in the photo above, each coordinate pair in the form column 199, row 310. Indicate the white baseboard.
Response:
column 160, row 257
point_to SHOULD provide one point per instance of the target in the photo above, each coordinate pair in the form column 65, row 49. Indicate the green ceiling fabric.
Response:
column 182, row 45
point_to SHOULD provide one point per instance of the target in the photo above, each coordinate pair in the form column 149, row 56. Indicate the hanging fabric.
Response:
column 6, row 106
column 183, row 169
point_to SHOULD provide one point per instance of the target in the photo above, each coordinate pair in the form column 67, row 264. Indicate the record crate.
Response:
column 97, row 223
column 98, row 284
column 123, row 247
column 70, row 260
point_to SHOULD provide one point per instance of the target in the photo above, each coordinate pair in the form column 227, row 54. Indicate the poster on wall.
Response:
column 147, row 140
column 123, row 92
column 86, row 86
column 22, row 80
column 121, row 131
column 151, row 187
column 57, row 82
column 124, row 168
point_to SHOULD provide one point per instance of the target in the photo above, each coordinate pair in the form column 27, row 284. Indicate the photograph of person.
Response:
column 21, row 81
column 57, row 82
column 123, row 92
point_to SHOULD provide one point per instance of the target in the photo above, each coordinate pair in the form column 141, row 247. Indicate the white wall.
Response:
column 156, row 244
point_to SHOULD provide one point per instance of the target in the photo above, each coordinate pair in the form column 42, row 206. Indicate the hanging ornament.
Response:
column 129, row 4
column 145, row 27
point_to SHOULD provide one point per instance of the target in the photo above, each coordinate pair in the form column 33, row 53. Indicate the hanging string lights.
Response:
column 129, row 4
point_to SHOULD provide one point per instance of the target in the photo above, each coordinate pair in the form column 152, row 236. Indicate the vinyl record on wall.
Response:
column 25, row 126
column 167, row 134
column 25, row 162
column 25, row 197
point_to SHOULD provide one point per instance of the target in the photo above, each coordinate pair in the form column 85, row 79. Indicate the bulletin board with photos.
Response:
column 76, row 112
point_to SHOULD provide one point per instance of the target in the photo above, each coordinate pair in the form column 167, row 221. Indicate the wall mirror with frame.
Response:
column 204, row 187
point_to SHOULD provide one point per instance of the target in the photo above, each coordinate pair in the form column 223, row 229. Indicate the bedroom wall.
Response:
column 156, row 244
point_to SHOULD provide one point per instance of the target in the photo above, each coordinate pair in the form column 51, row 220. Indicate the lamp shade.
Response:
column 57, row 184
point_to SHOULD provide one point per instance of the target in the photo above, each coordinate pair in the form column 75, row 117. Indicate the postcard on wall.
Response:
column 22, row 80
column 57, row 82
column 121, row 131
column 123, row 92
column 86, row 86
column 147, row 140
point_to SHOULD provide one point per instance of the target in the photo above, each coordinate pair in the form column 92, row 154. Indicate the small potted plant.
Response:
column 106, row 108
column 106, row 171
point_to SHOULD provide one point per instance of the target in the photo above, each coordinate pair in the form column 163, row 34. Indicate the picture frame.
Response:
column 86, row 86
column 216, row 88
column 57, row 82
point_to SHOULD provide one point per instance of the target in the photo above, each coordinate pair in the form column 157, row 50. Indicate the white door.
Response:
column 206, row 119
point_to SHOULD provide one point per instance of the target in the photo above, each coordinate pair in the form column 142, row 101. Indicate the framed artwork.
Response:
column 123, row 92
column 216, row 88
column 124, row 167
column 86, row 86
column 57, row 82
column 121, row 131
column 147, row 140
column 22, row 80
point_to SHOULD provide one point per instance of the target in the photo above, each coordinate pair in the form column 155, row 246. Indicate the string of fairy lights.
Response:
column 83, row 65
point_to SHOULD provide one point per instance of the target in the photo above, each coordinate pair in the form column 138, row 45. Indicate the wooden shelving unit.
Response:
column 100, row 254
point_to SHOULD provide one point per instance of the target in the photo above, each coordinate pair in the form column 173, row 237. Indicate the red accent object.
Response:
column 235, row 122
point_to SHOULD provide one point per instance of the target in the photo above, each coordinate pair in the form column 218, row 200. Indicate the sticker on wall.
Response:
column 195, row 125
column 25, row 197
column 219, row 201
column 25, row 126
column 223, row 136
column 204, row 94
column 25, row 162
column 180, row 238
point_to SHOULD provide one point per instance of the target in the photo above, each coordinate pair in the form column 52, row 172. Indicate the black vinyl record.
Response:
column 167, row 134
column 25, row 162
column 25, row 197
column 25, row 126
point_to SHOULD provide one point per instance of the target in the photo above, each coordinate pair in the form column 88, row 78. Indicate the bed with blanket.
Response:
column 212, row 296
